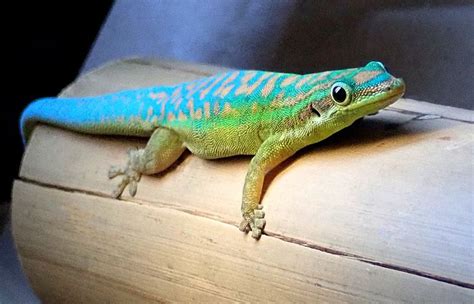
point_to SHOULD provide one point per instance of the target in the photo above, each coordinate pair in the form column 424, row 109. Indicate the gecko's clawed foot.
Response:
column 254, row 222
column 131, row 173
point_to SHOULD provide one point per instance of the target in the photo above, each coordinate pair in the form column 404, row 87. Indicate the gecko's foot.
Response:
column 131, row 173
column 254, row 222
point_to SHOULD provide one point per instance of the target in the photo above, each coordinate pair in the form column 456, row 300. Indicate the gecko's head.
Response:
column 351, row 94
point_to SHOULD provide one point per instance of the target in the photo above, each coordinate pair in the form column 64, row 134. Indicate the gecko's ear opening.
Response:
column 314, row 110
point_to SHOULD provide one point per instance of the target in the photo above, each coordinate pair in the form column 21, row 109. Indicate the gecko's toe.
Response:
column 254, row 222
column 259, row 214
column 131, row 173
column 130, row 178
column 260, row 223
column 244, row 226
column 257, row 227
column 132, row 187
column 258, row 218
column 119, row 190
column 115, row 171
column 256, row 233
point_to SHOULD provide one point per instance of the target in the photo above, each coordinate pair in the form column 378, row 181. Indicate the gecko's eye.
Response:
column 341, row 93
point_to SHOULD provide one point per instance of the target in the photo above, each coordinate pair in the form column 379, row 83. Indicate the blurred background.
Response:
column 428, row 43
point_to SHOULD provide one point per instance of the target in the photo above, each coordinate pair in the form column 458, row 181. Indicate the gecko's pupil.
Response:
column 339, row 94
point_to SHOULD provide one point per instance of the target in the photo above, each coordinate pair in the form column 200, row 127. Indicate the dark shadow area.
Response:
column 362, row 132
column 44, row 45
column 15, row 287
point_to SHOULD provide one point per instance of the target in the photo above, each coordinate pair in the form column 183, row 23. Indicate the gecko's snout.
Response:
column 396, row 87
column 399, row 86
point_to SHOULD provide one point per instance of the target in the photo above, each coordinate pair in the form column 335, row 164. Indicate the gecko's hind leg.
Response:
column 161, row 151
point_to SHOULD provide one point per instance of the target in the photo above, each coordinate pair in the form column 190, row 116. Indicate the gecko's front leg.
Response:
column 161, row 151
column 271, row 153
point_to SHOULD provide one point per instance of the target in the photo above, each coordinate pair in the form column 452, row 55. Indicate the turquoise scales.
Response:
column 138, row 112
column 269, row 115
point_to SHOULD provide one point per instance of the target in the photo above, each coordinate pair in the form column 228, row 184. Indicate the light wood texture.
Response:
column 392, row 195
column 96, row 249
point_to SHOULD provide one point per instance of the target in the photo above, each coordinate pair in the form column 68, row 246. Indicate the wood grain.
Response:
column 392, row 194
column 86, row 248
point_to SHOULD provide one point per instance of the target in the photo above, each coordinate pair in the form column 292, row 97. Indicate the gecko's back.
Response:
column 221, row 98
column 228, row 107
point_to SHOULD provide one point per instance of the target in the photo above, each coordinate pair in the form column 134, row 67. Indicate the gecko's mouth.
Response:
column 391, row 94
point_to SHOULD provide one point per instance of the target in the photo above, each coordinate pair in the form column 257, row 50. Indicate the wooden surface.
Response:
column 382, row 212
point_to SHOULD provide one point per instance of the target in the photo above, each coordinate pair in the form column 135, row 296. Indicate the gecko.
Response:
column 268, row 115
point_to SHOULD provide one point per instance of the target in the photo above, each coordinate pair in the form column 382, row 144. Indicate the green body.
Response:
column 269, row 115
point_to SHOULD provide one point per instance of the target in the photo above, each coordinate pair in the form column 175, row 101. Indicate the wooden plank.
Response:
column 77, row 247
column 380, row 186
column 410, row 105
column 59, row 283
column 395, row 189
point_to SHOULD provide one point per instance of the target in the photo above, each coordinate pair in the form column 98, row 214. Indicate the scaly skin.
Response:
column 269, row 115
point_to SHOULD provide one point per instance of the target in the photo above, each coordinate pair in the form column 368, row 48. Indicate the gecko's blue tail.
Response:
column 31, row 116
column 129, row 113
